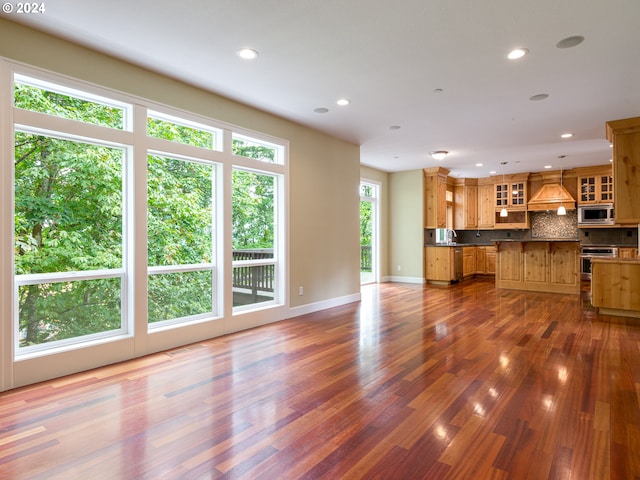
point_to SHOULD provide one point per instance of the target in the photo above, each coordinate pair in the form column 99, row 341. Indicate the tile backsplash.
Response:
column 551, row 225
column 548, row 225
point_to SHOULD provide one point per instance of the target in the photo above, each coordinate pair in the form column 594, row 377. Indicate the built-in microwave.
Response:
column 596, row 214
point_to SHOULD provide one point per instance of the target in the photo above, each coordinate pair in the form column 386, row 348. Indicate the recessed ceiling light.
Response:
column 343, row 101
column 479, row 164
column 548, row 166
column 438, row 154
column 247, row 53
column 321, row 110
column 538, row 97
column 492, row 172
column 570, row 41
column 567, row 135
column 517, row 53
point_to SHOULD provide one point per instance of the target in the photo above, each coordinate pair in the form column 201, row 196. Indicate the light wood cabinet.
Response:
column 469, row 267
column 595, row 185
column 511, row 193
column 490, row 261
column 514, row 220
column 435, row 197
column 614, row 286
column 486, row 204
column 625, row 137
column 539, row 266
column 486, row 260
column 465, row 204
column 481, row 259
column 438, row 264
column 627, row 252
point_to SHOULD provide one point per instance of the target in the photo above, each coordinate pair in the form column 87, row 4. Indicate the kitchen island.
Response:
column 615, row 286
column 539, row 265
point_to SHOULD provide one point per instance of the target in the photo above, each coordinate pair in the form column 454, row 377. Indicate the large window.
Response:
column 68, row 233
column 125, row 231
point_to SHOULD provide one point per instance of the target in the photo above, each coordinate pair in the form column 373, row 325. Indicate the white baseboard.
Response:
column 398, row 279
column 317, row 306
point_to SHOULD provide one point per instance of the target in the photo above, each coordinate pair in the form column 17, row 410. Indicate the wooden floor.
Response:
column 466, row 382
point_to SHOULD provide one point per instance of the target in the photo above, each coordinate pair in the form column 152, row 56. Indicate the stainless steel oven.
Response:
column 587, row 253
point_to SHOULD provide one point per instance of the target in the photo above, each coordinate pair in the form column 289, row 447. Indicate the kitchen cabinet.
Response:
column 438, row 264
column 595, row 185
column 486, row 204
column 486, row 260
column 539, row 266
column 627, row 252
column 614, row 286
column 435, row 197
column 465, row 204
column 469, row 267
column 514, row 220
column 511, row 193
column 625, row 137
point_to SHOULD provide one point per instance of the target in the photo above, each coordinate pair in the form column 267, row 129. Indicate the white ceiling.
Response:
column 388, row 58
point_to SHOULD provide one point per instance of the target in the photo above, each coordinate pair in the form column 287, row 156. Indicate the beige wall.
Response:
column 406, row 232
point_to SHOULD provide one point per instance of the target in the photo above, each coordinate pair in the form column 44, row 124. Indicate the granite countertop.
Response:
column 635, row 260
column 532, row 240
column 484, row 244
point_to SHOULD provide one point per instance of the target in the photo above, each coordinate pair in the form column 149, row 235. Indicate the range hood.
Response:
column 550, row 197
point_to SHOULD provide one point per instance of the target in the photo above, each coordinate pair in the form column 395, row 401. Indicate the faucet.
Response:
column 450, row 234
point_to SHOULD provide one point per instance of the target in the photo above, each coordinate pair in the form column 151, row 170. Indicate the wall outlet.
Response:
column 399, row 267
column 300, row 290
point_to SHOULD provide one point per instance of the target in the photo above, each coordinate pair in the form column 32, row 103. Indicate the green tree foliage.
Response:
column 253, row 202
column 53, row 103
column 366, row 234
column 180, row 209
column 366, row 223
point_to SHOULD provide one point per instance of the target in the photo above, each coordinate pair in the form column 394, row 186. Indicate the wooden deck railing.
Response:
column 256, row 280
column 365, row 258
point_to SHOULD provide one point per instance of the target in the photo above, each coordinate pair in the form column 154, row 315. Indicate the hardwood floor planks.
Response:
column 412, row 382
